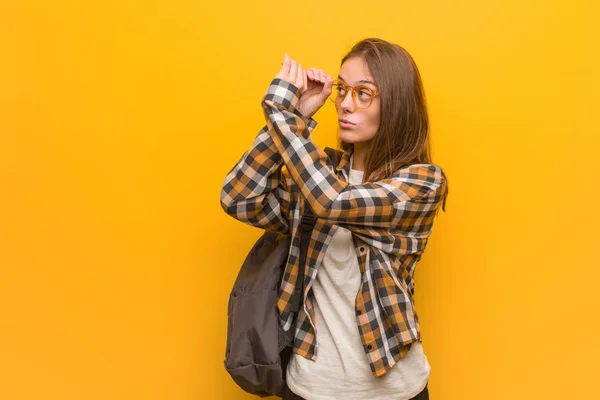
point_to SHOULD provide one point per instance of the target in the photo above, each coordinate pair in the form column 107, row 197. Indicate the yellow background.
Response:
column 120, row 119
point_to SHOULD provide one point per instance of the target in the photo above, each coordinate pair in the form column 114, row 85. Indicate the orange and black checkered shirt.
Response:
column 390, row 220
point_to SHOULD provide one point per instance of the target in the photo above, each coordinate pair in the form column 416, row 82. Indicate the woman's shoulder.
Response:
column 433, row 173
column 421, row 181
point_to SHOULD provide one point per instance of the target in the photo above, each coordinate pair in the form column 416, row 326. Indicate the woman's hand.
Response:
column 314, row 84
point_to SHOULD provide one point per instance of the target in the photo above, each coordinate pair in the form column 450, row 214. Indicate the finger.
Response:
column 327, row 82
column 316, row 74
column 285, row 67
column 300, row 77
column 293, row 71
column 304, row 78
column 309, row 73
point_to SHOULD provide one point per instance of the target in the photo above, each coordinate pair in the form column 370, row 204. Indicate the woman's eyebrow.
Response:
column 361, row 81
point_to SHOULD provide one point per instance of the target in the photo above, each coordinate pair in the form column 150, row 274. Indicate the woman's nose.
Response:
column 348, row 102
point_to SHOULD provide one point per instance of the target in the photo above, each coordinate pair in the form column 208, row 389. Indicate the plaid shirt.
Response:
column 390, row 221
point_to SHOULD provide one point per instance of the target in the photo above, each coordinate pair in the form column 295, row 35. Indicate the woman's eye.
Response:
column 364, row 94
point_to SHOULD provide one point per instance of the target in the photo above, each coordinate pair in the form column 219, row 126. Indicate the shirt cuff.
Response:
column 286, row 95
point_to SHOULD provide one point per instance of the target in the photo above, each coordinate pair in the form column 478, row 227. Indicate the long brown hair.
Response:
column 402, row 138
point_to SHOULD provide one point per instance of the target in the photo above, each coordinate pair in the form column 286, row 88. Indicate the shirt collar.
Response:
column 344, row 163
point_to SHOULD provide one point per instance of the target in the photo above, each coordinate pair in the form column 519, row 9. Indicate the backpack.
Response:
column 258, row 349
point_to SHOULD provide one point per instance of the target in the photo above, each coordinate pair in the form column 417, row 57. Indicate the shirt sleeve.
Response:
column 255, row 190
column 393, row 214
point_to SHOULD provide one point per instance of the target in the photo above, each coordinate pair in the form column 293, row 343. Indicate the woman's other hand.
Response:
column 315, row 85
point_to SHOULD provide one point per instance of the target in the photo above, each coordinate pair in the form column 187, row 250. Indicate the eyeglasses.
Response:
column 362, row 95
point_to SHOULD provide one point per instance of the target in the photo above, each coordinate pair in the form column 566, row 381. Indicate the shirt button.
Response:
column 362, row 249
column 358, row 312
column 369, row 347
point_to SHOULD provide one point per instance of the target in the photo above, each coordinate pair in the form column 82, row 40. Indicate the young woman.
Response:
column 357, row 334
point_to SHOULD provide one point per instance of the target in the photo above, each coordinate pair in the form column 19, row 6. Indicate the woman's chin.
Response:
column 348, row 135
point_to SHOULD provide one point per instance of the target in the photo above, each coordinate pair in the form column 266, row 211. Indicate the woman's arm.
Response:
column 394, row 214
column 255, row 190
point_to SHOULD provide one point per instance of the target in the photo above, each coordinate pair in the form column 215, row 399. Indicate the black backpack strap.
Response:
column 306, row 227
column 308, row 222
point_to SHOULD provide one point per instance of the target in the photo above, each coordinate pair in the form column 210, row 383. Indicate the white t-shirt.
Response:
column 341, row 369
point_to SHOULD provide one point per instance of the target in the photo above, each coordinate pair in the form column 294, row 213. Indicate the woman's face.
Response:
column 363, row 122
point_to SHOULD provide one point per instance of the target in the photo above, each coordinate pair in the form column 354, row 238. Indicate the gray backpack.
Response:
column 258, row 349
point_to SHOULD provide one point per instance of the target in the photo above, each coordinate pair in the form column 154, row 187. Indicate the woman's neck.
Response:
column 358, row 156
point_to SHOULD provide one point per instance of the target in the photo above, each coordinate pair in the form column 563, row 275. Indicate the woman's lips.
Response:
column 345, row 124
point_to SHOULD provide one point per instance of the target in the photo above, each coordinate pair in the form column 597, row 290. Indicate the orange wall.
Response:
column 120, row 119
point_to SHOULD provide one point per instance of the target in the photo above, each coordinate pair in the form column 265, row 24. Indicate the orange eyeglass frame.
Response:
column 354, row 90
